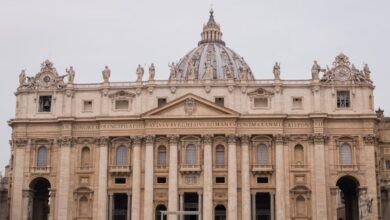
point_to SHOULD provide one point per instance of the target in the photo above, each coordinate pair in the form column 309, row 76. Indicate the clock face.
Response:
column 342, row 73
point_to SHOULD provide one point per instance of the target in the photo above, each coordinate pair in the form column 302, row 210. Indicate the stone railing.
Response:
column 190, row 168
column 352, row 167
column 120, row 169
column 40, row 169
column 262, row 168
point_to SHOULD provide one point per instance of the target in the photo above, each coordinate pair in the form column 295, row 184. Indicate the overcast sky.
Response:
column 89, row 34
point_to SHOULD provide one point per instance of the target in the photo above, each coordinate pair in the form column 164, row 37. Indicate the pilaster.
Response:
column 319, row 140
column 63, row 208
column 149, row 182
column 136, row 185
column 232, row 177
column 102, row 181
column 172, row 187
column 279, row 172
column 207, row 178
column 19, row 146
column 245, row 178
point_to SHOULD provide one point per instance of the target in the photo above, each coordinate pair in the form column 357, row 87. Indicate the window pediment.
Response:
column 260, row 92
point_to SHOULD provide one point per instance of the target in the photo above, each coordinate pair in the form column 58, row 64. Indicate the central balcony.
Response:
column 40, row 170
column 190, row 168
column 120, row 170
column 262, row 169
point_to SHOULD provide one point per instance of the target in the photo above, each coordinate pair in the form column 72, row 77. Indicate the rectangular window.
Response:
column 220, row 101
column 220, row 180
column 261, row 102
column 161, row 102
column 44, row 103
column 161, row 180
column 262, row 179
column 120, row 180
column 87, row 106
column 122, row 104
column 343, row 99
column 387, row 164
column 297, row 103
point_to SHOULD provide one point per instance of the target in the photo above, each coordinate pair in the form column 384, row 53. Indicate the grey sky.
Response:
column 90, row 34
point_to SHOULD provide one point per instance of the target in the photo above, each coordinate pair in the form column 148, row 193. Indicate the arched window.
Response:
column 301, row 206
column 85, row 157
column 220, row 212
column 121, row 156
column 220, row 155
column 160, row 208
column 190, row 155
column 42, row 156
column 298, row 155
column 83, row 207
column 345, row 154
column 262, row 154
column 162, row 156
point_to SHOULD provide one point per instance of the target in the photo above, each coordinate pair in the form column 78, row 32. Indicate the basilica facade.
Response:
column 210, row 142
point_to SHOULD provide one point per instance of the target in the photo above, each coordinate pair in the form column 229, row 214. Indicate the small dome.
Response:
column 212, row 59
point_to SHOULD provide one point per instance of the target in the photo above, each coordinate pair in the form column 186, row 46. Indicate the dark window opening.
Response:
column 343, row 99
column 45, row 104
column 220, row 101
column 120, row 180
column 387, row 164
column 161, row 102
column 262, row 179
column 220, row 180
column 161, row 180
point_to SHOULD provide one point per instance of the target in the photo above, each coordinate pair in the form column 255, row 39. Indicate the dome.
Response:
column 212, row 59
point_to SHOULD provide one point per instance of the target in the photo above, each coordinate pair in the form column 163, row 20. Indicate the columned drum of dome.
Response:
column 212, row 51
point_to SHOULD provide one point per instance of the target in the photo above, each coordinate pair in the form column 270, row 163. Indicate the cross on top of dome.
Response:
column 211, row 31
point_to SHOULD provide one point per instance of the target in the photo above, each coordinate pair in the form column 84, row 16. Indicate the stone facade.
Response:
column 4, row 205
column 212, row 140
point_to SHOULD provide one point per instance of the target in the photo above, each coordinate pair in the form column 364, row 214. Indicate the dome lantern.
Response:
column 211, row 31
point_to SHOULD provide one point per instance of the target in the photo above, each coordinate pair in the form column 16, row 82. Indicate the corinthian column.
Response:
column 148, row 192
column 136, row 185
column 279, row 172
column 208, row 178
column 232, row 178
column 245, row 179
column 172, row 187
column 64, row 178
column 369, row 146
column 320, row 176
column 18, row 177
column 102, row 181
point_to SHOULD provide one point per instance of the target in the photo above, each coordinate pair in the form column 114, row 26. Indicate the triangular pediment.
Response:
column 192, row 106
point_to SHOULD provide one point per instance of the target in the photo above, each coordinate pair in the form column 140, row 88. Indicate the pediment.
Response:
column 260, row 92
column 192, row 106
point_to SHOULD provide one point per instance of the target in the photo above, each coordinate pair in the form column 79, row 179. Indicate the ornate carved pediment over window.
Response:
column 47, row 78
column 300, row 202
column 260, row 98
column 343, row 70
column 121, row 100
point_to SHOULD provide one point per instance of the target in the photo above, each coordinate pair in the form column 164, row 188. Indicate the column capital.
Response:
column 232, row 138
column 66, row 141
column 207, row 138
column 173, row 139
column 280, row 138
column 20, row 142
column 244, row 138
column 103, row 141
column 149, row 139
column 27, row 193
column 369, row 139
column 318, row 138
column 137, row 140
